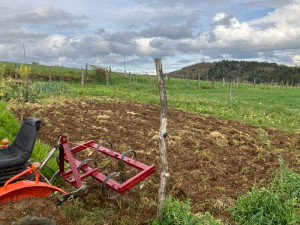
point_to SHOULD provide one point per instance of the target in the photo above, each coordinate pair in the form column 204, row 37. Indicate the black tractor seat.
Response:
column 19, row 152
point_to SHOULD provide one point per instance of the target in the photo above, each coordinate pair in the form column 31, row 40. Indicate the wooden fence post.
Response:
column 16, row 71
column 161, row 140
column 254, row 82
column 223, row 82
column 213, row 82
column 272, row 84
column 82, row 76
column 237, row 82
column 185, row 81
column 107, row 76
column 86, row 72
column 129, row 77
column 136, row 80
column 229, row 93
column 50, row 75
column 24, row 96
column 199, row 81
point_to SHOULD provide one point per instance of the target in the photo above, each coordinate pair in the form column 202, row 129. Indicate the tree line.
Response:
column 261, row 72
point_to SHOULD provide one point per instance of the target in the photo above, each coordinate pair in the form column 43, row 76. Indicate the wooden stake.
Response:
column 136, row 80
column 229, row 93
column 161, row 140
column 129, row 77
column 24, row 97
column 109, row 74
column 16, row 71
column 86, row 72
column 50, row 77
column 107, row 77
column 82, row 77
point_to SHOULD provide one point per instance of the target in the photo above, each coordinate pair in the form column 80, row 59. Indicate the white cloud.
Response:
column 296, row 60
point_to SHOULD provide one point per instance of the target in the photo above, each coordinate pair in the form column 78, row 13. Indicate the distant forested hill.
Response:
column 260, row 71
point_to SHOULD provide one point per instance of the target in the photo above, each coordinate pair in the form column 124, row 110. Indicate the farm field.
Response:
column 211, row 161
column 217, row 149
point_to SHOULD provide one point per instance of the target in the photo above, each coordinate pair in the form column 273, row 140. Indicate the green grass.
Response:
column 277, row 204
column 256, row 105
column 179, row 213
column 44, row 70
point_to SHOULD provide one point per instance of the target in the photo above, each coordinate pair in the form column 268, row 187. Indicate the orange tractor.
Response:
column 19, row 178
column 15, row 169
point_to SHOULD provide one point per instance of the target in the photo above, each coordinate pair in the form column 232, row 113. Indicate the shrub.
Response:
column 178, row 213
column 5, row 83
column 276, row 204
column 100, row 73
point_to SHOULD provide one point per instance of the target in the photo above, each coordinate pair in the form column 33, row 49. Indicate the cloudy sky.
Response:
column 180, row 32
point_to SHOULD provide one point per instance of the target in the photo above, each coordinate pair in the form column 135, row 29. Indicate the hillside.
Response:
column 260, row 71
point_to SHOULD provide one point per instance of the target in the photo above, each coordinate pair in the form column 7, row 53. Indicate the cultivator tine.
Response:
column 57, row 159
column 102, row 142
column 84, row 161
column 121, row 164
column 104, row 185
column 54, row 177
column 142, row 184
column 71, row 195
column 111, row 147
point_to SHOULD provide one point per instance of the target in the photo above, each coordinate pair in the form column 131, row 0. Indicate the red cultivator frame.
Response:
column 67, row 154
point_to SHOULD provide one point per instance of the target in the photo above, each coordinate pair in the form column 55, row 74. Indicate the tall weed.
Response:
column 277, row 204
column 178, row 213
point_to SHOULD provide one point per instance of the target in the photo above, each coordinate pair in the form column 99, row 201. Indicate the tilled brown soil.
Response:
column 211, row 161
column 28, row 208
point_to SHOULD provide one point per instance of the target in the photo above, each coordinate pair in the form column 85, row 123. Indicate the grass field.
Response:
column 256, row 105
column 44, row 70
column 277, row 107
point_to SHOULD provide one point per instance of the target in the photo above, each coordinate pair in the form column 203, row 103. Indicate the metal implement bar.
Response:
column 76, row 179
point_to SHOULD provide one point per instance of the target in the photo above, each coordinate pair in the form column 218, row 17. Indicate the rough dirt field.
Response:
column 211, row 161
column 33, row 207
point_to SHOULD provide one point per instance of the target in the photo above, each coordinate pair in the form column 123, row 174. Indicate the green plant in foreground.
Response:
column 277, row 204
column 176, row 212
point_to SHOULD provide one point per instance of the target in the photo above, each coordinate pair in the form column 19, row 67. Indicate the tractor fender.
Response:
column 26, row 189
